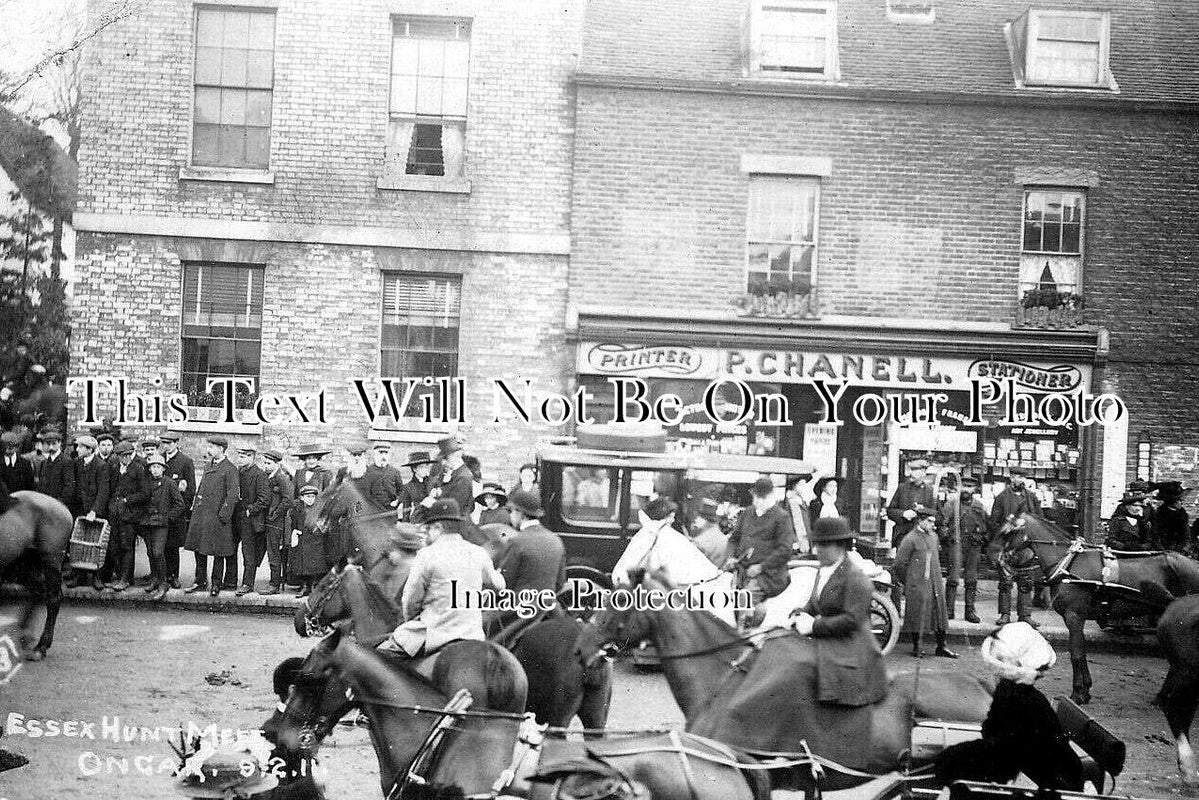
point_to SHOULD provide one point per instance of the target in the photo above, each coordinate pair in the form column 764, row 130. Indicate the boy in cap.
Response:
column 306, row 547
column 249, row 518
column 282, row 494
column 182, row 471
column 165, row 504
column 210, row 532
column 917, row 570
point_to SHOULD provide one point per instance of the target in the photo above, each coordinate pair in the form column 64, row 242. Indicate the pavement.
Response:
column 960, row 632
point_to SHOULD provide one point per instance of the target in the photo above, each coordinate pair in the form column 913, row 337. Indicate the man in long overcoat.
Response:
column 1014, row 500
column 249, row 518
column 91, row 493
column 182, row 470
column 917, row 570
column 902, row 508
column 277, row 530
column 127, row 500
column 210, row 532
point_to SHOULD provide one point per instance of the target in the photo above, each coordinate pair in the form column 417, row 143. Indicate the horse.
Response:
column 1092, row 584
column 476, row 748
column 1178, row 633
column 757, row 692
column 34, row 535
column 560, row 686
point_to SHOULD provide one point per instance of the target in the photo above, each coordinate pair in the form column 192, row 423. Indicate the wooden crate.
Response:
column 89, row 543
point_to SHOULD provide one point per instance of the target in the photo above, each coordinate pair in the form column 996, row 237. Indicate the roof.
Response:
column 45, row 174
column 1153, row 56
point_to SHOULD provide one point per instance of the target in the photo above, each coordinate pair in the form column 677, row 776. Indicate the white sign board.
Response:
column 820, row 447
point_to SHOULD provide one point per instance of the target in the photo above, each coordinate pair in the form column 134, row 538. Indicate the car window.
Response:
column 590, row 496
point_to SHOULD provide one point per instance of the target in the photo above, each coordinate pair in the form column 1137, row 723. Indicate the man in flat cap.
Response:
column 16, row 472
column 1009, row 505
column 901, row 510
column 182, row 470
column 57, row 474
column 966, row 531
column 386, row 482
column 127, row 500
column 91, row 492
column 249, row 517
column 210, row 532
column 282, row 494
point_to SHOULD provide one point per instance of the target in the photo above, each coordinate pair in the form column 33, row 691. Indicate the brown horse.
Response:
column 560, row 687
column 1090, row 585
column 1178, row 633
column 478, row 748
column 760, row 695
column 34, row 535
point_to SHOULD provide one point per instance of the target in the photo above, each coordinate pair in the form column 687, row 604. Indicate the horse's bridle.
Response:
column 314, row 604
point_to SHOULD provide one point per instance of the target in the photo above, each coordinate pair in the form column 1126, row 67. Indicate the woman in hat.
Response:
column 164, row 507
column 824, row 505
column 849, row 664
column 306, row 547
column 1172, row 525
column 917, row 570
column 1021, row 733
column 492, row 499
column 527, row 480
column 313, row 472
column 1127, row 529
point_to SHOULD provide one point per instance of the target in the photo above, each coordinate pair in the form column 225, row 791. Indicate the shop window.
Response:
column 222, row 329
column 430, row 70
column 792, row 38
column 233, row 80
column 1052, row 247
column 1065, row 49
column 781, row 235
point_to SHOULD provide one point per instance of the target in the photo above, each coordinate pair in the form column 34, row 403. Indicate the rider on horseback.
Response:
column 1128, row 529
column 1014, row 501
column 761, row 545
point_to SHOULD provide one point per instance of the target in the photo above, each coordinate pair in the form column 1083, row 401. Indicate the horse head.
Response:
column 620, row 625
column 317, row 700
column 323, row 606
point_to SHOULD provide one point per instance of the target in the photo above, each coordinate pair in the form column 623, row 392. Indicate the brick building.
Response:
column 904, row 195
column 309, row 193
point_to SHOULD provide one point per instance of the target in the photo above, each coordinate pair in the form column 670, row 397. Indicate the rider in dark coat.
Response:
column 1009, row 504
column 762, row 543
column 1173, row 523
column 1127, row 529
column 849, row 665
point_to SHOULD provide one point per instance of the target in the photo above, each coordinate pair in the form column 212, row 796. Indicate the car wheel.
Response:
column 884, row 622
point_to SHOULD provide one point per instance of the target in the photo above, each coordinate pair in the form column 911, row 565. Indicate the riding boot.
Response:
column 942, row 650
column 1038, row 599
column 1024, row 609
column 971, row 594
column 1005, row 606
column 951, row 597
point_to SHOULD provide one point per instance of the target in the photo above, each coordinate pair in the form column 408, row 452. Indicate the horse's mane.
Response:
column 377, row 614
column 658, row 578
column 1059, row 534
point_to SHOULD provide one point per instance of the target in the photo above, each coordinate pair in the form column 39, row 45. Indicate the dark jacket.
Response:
column 18, row 477
column 165, row 504
column 1172, row 529
column 386, row 487
column 91, row 486
column 906, row 498
column 461, row 487
column 849, row 666
column 534, row 559
column 210, row 531
column 765, row 540
column 282, row 497
column 255, row 498
column 56, row 477
column 306, row 558
column 182, row 468
column 1010, row 504
column 130, row 491
column 412, row 493
column 1125, row 535
column 319, row 477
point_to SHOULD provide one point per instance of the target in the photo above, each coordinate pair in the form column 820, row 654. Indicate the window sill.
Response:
column 772, row 76
column 204, row 420
column 424, row 183
column 226, row 175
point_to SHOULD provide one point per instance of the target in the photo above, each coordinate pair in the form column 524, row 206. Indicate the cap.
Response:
column 105, row 437
column 247, row 448
column 87, row 441
column 49, row 435
column 382, row 446
column 10, row 438
column 170, row 436
column 145, row 440
column 763, row 487
column 356, row 448
column 123, row 448
column 273, row 455
column 219, row 441
column 155, row 458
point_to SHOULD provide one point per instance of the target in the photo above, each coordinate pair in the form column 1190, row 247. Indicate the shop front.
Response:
column 899, row 394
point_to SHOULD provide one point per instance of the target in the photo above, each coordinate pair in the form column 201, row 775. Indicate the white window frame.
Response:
column 1032, row 23
column 754, row 30
column 903, row 12
column 1082, row 232
column 818, row 182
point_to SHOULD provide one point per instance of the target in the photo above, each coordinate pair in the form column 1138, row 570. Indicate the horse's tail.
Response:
column 507, row 685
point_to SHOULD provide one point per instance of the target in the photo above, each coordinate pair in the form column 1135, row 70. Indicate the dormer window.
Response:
column 793, row 38
column 1062, row 49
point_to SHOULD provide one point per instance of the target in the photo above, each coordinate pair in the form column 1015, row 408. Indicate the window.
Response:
column 781, row 232
column 222, row 327
column 590, row 496
column 1052, row 249
column 1062, row 49
column 911, row 10
column 420, row 326
column 430, row 68
column 793, row 38
column 234, row 73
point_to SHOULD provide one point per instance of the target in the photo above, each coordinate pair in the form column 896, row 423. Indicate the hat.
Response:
column 8, row 437
column 49, row 435
column 527, row 465
column 526, row 503
column 384, row 446
column 408, row 537
column 223, row 774
column 154, row 440
column 1133, row 497
column 820, row 484
column 156, row 458
column 357, row 448
column 830, row 529
column 309, row 489
column 123, row 448
column 492, row 488
column 1017, row 652
column 105, row 437
column 660, row 508
column 444, row 511
column 708, row 508
column 219, row 441
column 448, row 446
column 312, row 449
column 247, row 448
column 273, row 455
column 418, row 457
column 170, row 436
column 1170, row 489
column 87, row 441
column 1144, row 487
column 763, row 487
column 919, row 463
column 924, row 511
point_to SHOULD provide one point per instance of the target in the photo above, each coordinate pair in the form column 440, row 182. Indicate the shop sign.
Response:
column 622, row 359
column 1060, row 378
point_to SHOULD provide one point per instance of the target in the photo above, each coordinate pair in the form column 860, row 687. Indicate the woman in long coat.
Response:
column 918, row 569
